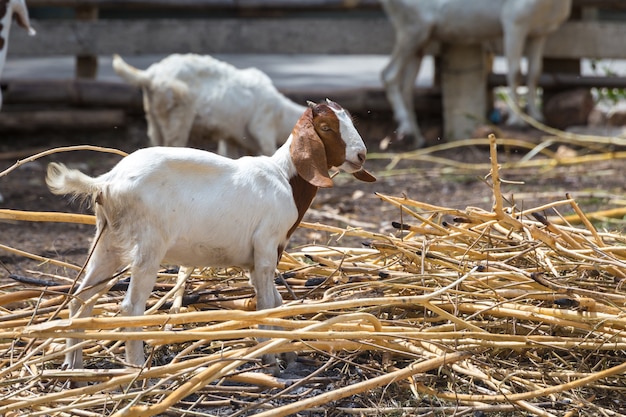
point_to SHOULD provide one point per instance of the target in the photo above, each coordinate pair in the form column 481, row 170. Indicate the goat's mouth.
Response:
column 351, row 167
column 358, row 171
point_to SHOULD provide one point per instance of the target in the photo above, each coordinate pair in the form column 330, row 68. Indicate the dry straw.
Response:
column 502, row 311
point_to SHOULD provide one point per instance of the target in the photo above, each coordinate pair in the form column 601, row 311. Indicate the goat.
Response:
column 201, row 97
column 192, row 207
column 10, row 9
column 416, row 22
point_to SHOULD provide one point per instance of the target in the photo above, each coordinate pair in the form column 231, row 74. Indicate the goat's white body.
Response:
column 187, row 207
column 417, row 22
column 201, row 97
column 18, row 9
column 194, row 208
column 191, row 209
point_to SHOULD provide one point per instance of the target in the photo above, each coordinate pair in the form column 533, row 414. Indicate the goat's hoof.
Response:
column 276, row 364
column 77, row 384
column 287, row 358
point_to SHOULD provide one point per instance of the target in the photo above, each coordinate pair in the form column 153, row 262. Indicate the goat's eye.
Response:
column 325, row 128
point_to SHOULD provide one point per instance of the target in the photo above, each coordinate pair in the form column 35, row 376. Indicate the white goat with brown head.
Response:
column 196, row 208
column 10, row 9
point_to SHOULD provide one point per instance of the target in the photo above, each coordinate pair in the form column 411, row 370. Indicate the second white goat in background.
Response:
column 196, row 208
column 195, row 96
column 521, row 23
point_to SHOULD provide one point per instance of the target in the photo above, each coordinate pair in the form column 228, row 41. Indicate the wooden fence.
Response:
column 87, row 29
column 257, row 26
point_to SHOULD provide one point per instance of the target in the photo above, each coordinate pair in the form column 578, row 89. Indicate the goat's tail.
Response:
column 62, row 180
column 129, row 73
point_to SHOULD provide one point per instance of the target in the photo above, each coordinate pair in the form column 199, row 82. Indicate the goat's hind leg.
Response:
column 408, row 93
column 143, row 276
column 514, row 38
column 103, row 264
column 534, row 54
column 399, row 76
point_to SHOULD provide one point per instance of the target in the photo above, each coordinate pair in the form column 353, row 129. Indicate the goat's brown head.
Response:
column 325, row 137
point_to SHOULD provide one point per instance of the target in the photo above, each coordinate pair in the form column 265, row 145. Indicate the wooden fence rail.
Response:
column 346, row 27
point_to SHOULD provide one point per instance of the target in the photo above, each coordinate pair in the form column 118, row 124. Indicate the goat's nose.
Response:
column 361, row 156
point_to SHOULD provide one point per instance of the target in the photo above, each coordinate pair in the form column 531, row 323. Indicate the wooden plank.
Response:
column 604, row 4
column 588, row 40
column 207, row 4
column 290, row 4
column 339, row 35
column 88, row 93
column 157, row 36
column 78, row 92
column 560, row 81
column 60, row 119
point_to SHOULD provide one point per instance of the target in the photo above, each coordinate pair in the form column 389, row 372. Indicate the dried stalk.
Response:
column 488, row 298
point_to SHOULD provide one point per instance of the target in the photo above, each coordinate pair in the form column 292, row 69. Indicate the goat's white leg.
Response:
column 514, row 38
column 402, row 65
column 183, row 275
column 408, row 88
column 103, row 264
column 143, row 276
column 535, row 64
column 266, row 292
column 267, row 297
column 262, row 278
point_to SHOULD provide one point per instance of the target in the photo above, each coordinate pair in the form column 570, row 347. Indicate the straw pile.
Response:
column 501, row 311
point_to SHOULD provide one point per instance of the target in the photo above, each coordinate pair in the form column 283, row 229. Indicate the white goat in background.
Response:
column 196, row 208
column 199, row 96
column 10, row 9
column 417, row 22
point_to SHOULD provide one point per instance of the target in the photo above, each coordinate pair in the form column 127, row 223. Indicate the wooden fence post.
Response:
column 464, row 89
column 86, row 65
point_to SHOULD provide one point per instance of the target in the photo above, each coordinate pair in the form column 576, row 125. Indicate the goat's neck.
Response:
column 302, row 191
column 282, row 158
column 303, row 195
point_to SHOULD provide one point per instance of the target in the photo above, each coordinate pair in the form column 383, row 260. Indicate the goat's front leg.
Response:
column 534, row 54
column 262, row 278
column 514, row 38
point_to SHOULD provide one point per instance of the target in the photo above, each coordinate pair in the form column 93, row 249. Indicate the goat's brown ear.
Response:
column 365, row 176
column 309, row 157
